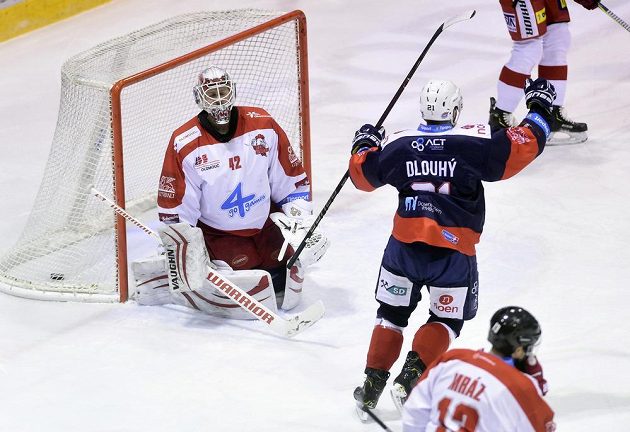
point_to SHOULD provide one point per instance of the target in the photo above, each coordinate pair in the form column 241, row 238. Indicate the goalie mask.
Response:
column 214, row 93
column 441, row 101
column 511, row 327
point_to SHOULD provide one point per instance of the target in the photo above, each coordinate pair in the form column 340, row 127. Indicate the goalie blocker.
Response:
column 180, row 276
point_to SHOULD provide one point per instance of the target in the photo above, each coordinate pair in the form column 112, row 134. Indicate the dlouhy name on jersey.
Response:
column 431, row 167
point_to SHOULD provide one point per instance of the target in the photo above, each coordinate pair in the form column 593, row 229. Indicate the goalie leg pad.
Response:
column 208, row 299
column 186, row 256
column 293, row 286
column 151, row 282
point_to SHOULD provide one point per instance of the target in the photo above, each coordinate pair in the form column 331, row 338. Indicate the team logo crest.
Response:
column 259, row 145
column 166, row 188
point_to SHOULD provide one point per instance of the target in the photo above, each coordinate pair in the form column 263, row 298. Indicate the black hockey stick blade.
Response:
column 446, row 24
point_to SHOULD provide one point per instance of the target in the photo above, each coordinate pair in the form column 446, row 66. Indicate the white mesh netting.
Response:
column 68, row 248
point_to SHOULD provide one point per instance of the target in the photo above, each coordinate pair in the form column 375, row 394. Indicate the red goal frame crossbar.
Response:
column 119, row 86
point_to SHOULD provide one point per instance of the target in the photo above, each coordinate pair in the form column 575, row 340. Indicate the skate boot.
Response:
column 564, row 130
column 499, row 119
column 404, row 383
column 373, row 386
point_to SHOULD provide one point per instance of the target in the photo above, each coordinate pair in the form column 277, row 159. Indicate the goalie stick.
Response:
column 283, row 327
column 615, row 18
column 446, row 24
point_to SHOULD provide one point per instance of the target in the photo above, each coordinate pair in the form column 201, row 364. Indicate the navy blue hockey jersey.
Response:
column 438, row 173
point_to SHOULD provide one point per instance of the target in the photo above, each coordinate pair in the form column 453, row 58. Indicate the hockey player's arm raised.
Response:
column 364, row 171
column 512, row 149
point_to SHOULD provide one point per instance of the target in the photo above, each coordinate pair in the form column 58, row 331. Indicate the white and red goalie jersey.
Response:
column 475, row 391
column 229, row 185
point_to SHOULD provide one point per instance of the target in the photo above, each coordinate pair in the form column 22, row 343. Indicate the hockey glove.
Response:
column 531, row 366
column 539, row 96
column 366, row 138
column 588, row 4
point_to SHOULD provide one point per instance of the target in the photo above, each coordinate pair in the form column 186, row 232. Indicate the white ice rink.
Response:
column 555, row 239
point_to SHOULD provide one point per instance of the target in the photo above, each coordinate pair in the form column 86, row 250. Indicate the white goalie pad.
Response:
column 152, row 289
column 294, row 231
column 151, row 282
column 208, row 299
column 293, row 286
column 186, row 256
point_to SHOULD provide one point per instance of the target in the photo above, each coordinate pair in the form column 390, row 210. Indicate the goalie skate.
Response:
column 564, row 130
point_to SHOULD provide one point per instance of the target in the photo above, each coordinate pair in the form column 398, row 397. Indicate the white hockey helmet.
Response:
column 441, row 101
column 215, row 93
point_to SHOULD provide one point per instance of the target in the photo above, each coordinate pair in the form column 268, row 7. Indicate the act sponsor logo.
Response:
column 166, row 188
column 435, row 144
column 202, row 163
column 510, row 21
column 260, row 145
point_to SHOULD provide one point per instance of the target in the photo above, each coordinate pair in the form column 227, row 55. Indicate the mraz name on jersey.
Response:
column 438, row 168
column 467, row 386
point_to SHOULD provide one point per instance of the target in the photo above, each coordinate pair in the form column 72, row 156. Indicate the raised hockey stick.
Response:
column 287, row 328
column 615, row 18
column 463, row 17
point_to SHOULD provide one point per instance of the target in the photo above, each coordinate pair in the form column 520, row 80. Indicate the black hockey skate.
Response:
column 367, row 395
column 565, row 130
column 404, row 383
column 499, row 119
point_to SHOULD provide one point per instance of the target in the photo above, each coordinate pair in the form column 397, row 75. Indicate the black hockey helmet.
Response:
column 511, row 327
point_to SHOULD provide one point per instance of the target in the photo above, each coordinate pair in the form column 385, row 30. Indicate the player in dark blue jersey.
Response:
column 438, row 170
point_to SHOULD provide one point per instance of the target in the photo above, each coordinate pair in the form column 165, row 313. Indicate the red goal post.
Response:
column 120, row 102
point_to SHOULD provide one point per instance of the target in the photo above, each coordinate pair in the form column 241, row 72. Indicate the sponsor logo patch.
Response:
column 168, row 217
column 541, row 16
column 239, row 260
column 166, row 188
column 517, row 135
column 184, row 138
column 253, row 114
column 293, row 159
column 449, row 236
column 203, row 164
column 510, row 21
column 397, row 290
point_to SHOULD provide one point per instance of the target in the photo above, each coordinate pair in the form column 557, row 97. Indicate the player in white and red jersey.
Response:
column 477, row 391
column 540, row 33
column 226, row 171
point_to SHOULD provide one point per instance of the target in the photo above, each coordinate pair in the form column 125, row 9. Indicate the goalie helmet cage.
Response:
column 120, row 103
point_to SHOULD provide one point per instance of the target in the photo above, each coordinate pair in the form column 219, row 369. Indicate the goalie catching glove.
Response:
column 294, row 222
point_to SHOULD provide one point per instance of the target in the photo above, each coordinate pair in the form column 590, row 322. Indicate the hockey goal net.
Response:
column 120, row 102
